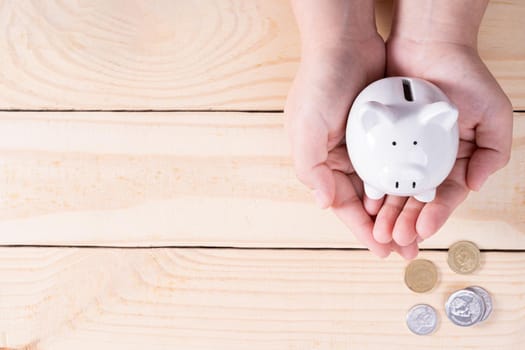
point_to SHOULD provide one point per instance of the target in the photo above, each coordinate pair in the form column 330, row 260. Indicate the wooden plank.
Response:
column 211, row 54
column 238, row 299
column 220, row 179
column 146, row 55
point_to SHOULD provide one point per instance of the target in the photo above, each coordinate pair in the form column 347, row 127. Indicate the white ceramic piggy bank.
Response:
column 402, row 138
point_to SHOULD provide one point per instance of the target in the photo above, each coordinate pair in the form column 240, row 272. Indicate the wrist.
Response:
column 438, row 21
column 344, row 45
column 333, row 24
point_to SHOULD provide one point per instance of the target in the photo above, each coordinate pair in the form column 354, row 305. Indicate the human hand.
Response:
column 316, row 111
column 485, row 124
column 341, row 54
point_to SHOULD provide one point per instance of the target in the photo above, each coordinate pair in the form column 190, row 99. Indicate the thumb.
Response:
column 309, row 138
column 322, row 181
column 483, row 163
column 494, row 142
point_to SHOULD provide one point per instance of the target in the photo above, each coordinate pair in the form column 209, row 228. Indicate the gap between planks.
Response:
column 261, row 111
column 234, row 248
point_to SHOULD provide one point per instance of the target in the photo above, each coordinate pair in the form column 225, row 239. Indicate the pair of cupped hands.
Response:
column 328, row 80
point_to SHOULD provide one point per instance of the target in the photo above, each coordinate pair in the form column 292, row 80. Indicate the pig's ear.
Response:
column 373, row 113
column 442, row 113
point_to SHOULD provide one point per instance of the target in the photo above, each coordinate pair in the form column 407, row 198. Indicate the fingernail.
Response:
column 384, row 255
column 320, row 198
column 482, row 182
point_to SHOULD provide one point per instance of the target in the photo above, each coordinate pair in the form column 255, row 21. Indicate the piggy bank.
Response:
column 402, row 138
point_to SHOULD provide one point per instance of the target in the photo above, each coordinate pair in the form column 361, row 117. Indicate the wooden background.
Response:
column 147, row 196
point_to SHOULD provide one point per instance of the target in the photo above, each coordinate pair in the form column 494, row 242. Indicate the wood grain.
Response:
column 237, row 299
column 210, row 54
column 219, row 179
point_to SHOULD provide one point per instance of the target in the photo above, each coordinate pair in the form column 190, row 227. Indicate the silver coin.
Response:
column 422, row 319
column 465, row 308
column 486, row 298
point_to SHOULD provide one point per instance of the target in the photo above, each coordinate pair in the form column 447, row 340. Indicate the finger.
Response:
column 386, row 218
column 357, row 183
column 404, row 232
column 372, row 206
column 338, row 160
column 494, row 141
column 310, row 153
column 349, row 208
column 483, row 163
column 408, row 252
column 465, row 149
column 449, row 195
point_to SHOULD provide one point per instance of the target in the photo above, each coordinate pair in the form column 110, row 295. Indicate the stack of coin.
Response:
column 469, row 306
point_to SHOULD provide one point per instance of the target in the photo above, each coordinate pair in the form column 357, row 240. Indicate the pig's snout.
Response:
column 403, row 177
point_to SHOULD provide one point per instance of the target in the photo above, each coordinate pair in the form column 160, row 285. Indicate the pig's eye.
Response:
column 415, row 143
column 394, row 143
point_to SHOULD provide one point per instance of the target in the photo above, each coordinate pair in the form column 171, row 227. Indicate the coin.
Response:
column 465, row 308
column 421, row 275
column 486, row 299
column 463, row 257
column 422, row 319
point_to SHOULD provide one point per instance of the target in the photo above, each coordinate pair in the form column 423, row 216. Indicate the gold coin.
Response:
column 463, row 257
column 421, row 275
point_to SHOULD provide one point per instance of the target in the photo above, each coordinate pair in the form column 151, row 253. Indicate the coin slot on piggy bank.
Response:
column 407, row 90
column 402, row 138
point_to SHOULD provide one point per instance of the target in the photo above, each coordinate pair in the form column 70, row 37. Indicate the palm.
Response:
column 316, row 113
column 485, row 123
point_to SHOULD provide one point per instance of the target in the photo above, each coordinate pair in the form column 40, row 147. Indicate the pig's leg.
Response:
column 427, row 196
column 373, row 193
